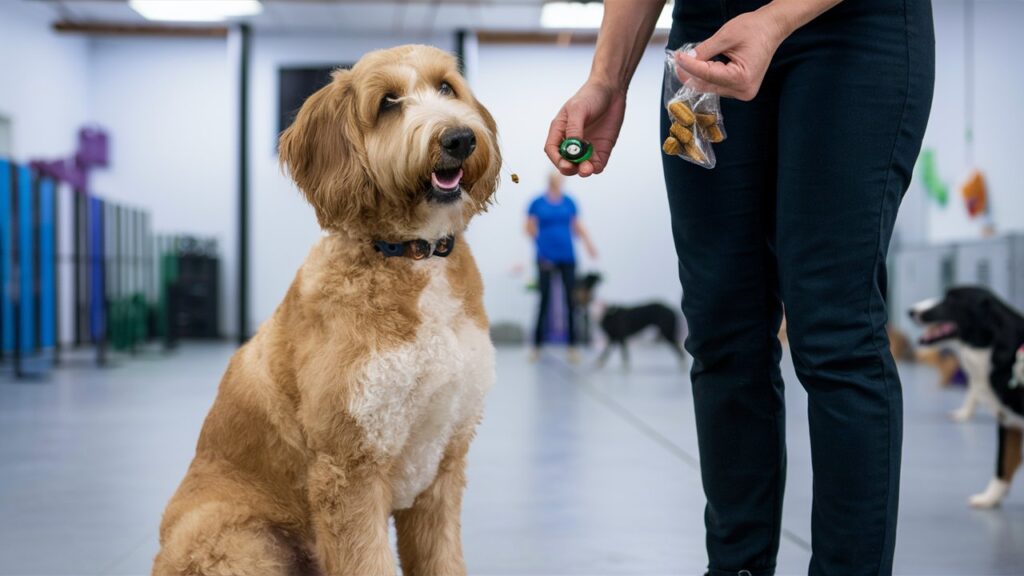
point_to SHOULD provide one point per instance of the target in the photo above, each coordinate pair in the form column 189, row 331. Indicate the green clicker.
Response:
column 575, row 150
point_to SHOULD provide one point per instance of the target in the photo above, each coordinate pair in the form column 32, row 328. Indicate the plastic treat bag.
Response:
column 696, row 117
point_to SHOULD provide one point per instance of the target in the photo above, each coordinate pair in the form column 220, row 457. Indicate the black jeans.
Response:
column 799, row 213
column 567, row 270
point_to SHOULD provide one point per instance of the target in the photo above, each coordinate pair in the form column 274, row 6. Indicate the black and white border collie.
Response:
column 986, row 334
column 620, row 323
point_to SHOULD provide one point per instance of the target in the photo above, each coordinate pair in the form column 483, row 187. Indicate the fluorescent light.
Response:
column 586, row 15
column 195, row 10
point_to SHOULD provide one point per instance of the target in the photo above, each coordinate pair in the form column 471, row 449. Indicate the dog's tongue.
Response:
column 936, row 331
column 446, row 182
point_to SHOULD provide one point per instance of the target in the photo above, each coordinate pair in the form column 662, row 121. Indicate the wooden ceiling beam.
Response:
column 562, row 38
column 121, row 29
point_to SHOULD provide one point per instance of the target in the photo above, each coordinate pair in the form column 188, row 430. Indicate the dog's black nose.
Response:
column 459, row 142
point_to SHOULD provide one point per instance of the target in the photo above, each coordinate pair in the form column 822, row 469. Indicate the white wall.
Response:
column 44, row 83
column 283, row 226
column 629, row 196
column 625, row 208
column 997, row 90
column 169, row 105
column 998, row 94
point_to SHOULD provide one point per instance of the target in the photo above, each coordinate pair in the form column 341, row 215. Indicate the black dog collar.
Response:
column 416, row 249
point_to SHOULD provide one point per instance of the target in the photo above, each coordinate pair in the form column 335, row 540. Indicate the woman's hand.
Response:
column 749, row 41
column 594, row 114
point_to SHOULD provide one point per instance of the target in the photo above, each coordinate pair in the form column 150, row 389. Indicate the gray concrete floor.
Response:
column 574, row 472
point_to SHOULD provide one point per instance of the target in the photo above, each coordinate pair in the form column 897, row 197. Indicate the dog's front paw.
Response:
column 992, row 496
column 961, row 414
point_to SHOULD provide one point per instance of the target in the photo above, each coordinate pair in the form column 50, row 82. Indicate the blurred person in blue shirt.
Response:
column 553, row 223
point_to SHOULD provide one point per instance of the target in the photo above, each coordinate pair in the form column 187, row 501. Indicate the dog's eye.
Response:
column 389, row 102
column 445, row 89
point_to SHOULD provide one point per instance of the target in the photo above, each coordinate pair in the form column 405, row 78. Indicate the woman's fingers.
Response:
column 575, row 119
column 749, row 43
column 556, row 133
column 569, row 123
column 715, row 73
column 586, row 168
column 595, row 115
column 567, row 168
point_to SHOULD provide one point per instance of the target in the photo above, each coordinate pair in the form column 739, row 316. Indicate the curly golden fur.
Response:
column 357, row 400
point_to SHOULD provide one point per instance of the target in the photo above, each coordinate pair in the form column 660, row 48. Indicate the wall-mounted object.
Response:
column 975, row 194
column 928, row 171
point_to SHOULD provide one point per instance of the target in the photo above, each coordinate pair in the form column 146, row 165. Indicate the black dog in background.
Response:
column 986, row 334
column 619, row 323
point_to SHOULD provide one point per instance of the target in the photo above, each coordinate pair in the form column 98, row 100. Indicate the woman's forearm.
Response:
column 531, row 227
column 792, row 14
column 625, row 32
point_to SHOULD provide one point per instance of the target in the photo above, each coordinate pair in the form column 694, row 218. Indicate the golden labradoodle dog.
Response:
column 357, row 400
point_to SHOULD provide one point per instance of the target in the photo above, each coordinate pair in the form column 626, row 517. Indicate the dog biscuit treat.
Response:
column 694, row 153
column 696, row 116
column 707, row 120
column 672, row 147
column 681, row 133
column 682, row 113
column 714, row 134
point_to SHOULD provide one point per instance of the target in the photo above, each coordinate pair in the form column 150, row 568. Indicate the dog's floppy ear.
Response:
column 322, row 151
column 482, row 191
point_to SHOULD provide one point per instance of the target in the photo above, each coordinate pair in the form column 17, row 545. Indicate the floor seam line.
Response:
column 794, row 538
column 131, row 550
column 652, row 434
column 638, row 424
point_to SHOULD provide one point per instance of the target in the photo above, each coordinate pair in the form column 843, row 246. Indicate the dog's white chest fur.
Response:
column 977, row 363
column 411, row 400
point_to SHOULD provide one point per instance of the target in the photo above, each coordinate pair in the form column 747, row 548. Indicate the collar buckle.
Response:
column 418, row 249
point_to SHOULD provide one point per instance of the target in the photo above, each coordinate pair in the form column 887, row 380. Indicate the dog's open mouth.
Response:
column 938, row 332
column 445, row 184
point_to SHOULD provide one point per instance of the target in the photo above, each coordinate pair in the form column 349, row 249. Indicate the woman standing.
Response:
column 552, row 221
column 825, row 105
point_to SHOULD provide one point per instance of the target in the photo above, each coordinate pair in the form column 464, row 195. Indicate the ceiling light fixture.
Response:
column 195, row 10
column 568, row 15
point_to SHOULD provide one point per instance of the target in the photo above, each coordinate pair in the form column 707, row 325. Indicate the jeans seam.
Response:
column 871, row 303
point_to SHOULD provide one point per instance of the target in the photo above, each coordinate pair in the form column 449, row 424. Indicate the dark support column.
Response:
column 969, row 79
column 57, row 189
column 78, row 268
column 243, row 184
column 460, row 50
column 37, row 266
column 17, row 293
